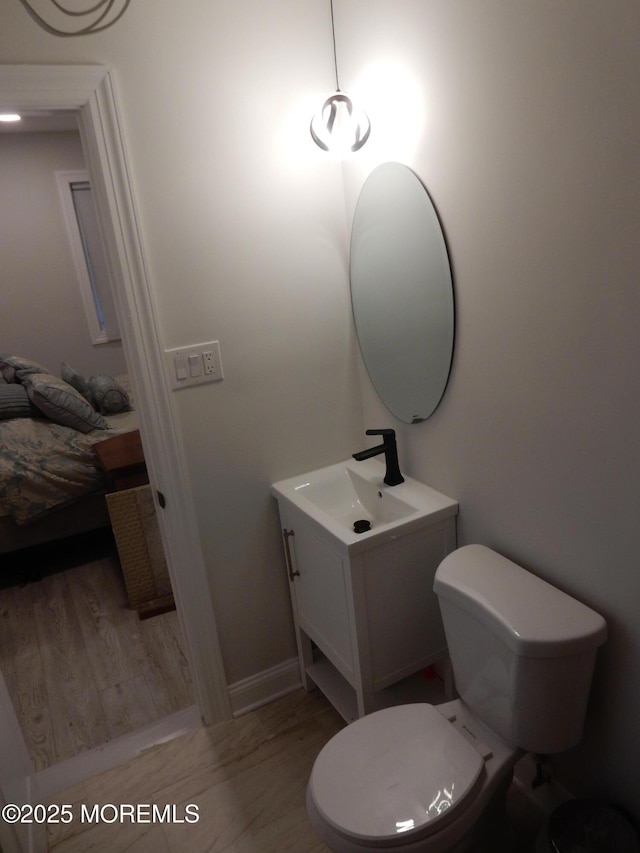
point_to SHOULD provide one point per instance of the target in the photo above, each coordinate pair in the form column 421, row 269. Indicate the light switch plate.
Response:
column 195, row 364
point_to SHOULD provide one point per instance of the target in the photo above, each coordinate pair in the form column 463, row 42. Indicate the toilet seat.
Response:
column 396, row 776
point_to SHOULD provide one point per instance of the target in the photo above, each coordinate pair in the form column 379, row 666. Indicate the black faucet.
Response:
column 393, row 477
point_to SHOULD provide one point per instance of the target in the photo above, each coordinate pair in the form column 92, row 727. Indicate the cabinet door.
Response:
column 320, row 595
column 404, row 621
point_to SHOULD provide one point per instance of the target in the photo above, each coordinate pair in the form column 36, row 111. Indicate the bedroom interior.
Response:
column 62, row 583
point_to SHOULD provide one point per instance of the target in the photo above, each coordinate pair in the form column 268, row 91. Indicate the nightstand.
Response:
column 122, row 460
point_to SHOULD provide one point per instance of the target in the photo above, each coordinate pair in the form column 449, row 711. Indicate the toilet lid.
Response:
column 398, row 772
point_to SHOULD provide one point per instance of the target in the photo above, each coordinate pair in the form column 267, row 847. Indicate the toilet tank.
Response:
column 522, row 651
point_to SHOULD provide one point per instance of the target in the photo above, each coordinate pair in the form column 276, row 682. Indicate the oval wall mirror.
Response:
column 402, row 292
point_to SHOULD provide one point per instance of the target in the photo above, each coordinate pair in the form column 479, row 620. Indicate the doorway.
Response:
column 80, row 667
column 89, row 90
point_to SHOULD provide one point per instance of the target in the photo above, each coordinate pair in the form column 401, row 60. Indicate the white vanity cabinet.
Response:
column 365, row 613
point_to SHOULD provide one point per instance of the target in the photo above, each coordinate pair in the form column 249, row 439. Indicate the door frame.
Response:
column 90, row 90
column 103, row 142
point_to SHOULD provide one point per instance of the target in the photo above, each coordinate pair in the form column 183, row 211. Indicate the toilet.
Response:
column 429, row 778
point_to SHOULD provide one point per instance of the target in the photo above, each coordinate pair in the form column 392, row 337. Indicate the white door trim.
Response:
column 90, row 90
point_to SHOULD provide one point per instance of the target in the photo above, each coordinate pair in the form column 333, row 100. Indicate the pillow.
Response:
column 14, row 368
column 107, row 396
column 61, row 403
column 15, row 403
column 76, row 380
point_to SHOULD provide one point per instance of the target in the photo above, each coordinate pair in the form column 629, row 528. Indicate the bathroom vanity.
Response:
column 364, row 610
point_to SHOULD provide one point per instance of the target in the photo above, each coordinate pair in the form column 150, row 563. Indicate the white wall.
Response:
column 528, row 147
column 42, row 314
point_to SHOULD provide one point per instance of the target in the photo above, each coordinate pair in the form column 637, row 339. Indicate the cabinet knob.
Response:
column 287, row 552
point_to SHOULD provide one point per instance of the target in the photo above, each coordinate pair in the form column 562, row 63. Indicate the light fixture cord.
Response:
column 335, row 55
column 95, row 27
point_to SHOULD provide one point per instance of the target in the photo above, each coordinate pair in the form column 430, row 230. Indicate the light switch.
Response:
column 195, row 365
column 180, row 365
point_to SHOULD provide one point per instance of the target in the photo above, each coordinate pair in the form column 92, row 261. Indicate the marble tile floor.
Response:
column 244, row 779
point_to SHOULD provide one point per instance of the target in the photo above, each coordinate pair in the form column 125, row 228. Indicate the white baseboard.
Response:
column 250, row 693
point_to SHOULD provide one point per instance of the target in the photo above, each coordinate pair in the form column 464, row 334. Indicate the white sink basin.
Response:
column 338, row 496
column 348, row 497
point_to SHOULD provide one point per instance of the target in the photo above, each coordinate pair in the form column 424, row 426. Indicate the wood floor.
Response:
column 81, row 667
column 245, row 779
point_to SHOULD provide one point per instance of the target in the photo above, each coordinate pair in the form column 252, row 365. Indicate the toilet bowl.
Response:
column 415, row 778
column 431, row 778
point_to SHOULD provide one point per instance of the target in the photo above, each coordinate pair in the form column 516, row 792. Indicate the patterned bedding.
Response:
column 48, row 427
column 44, row 465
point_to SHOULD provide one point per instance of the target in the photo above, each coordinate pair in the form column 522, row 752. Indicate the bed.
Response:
column 51, row 485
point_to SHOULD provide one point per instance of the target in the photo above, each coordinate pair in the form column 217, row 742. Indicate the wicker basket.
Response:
column 135, row 528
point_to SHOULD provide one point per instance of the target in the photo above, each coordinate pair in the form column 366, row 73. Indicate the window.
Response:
column 88, row 255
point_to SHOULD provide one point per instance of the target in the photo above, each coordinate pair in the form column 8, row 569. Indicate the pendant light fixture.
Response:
column 98, row 16
column 338, row 126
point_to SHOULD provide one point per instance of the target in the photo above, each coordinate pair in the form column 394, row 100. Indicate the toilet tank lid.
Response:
column 532, row 617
